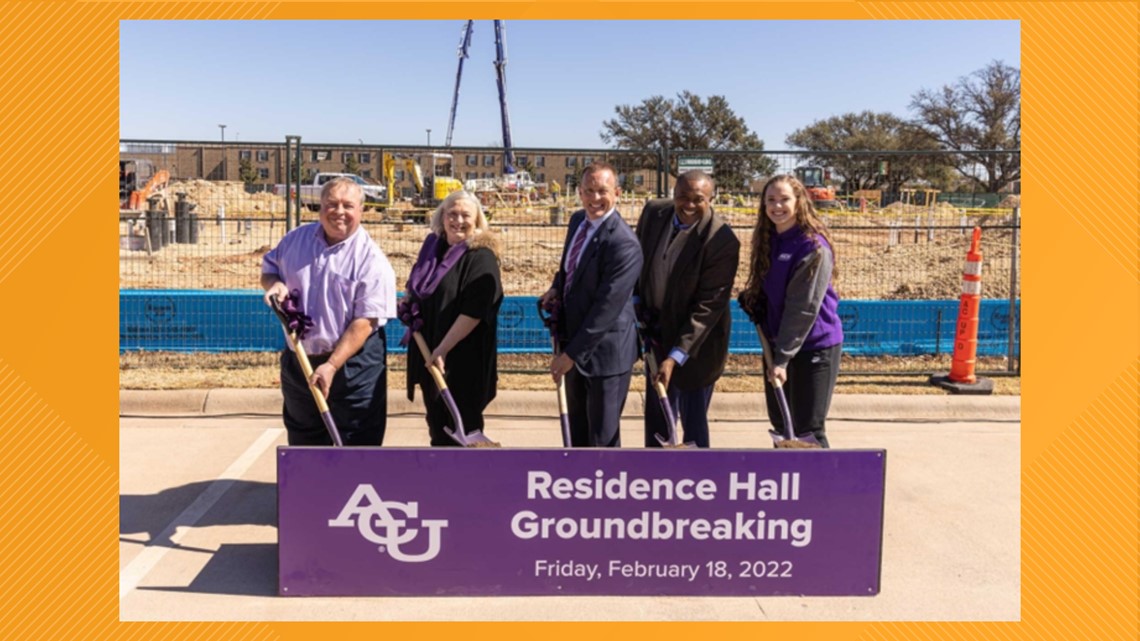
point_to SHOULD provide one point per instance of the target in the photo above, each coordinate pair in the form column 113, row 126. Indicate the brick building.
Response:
column 266, row 162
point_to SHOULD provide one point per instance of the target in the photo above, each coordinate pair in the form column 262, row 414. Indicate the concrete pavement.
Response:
column 725, row 406
column 198, row 512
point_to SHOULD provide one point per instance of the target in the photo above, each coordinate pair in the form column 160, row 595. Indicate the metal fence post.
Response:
column 1013, row 289
column 292, row 182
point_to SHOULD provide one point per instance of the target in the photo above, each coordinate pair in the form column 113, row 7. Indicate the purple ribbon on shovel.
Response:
column 296, row 321
column 408, row 311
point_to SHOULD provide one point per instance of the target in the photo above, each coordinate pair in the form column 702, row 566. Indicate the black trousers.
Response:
column 468, row 399
column 811, row 382
column 691, row 408
column 594, row 404
column 358, row 399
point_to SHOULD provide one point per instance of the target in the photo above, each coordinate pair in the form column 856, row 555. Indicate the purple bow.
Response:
column 649, row 326
column 298, row 323
column 649, row 319
column 409, row 314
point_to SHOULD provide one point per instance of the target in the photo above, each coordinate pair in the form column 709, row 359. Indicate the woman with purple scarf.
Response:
column 790, row 296
column 452, row 298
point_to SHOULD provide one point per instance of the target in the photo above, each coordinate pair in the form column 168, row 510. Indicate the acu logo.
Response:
column 160, row 310
column 376, row 522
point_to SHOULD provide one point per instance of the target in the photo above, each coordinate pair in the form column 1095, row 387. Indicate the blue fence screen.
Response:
column 182, row 320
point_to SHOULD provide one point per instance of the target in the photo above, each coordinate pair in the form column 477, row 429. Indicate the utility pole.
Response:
column 225, row 164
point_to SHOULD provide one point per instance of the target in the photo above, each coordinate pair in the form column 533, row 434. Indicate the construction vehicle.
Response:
column 513, row 181
column 138, row 181
column 520, row 181
column 822, row 195
column 311, row 193
column 432, row 184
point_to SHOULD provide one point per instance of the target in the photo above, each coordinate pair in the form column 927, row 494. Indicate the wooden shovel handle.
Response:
column 435, row 373
column 307, row 368
column 767, row 355
column 302, row 356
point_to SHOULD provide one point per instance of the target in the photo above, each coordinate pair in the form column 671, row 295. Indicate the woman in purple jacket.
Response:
column 789, row 295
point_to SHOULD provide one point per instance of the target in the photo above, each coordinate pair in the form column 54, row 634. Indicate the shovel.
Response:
column 671, row 419
column 787, row 440
column 307, row 369
column 563, row 413
column 474, row 439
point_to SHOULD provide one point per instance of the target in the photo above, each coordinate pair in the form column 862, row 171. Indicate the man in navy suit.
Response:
column 593, row 291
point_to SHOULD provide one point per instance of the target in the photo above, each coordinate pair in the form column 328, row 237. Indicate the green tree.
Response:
column 351, row 166
column 528, row 167
column 869, row 131
column 296, row 169
column 980, row 112
column 689, row 123
column 246, row 171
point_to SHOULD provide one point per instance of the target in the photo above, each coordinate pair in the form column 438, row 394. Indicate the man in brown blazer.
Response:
column 690, row 256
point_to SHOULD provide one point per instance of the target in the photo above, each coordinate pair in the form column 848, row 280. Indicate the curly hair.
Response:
column 765, row 230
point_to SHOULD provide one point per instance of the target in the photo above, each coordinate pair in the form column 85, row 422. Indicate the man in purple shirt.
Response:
column 344, row 282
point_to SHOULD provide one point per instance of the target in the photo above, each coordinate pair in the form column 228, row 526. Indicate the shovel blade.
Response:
column 471, row 439
column 799, row 442
column 669, row 445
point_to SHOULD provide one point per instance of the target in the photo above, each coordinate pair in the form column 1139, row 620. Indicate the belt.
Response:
column 326, row 355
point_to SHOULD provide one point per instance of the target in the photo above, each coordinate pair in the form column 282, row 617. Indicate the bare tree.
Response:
column 980, row 112
column 869, row 131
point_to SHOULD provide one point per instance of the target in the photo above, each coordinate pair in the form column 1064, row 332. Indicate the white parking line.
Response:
column 141, row 565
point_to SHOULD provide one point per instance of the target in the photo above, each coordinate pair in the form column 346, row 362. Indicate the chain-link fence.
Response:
column 895, row 240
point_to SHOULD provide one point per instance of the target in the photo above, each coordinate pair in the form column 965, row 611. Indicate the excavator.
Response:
column 132, row 174
column 822, row 196
column 431, row 186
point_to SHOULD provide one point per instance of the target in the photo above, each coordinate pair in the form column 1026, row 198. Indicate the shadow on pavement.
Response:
column 239, row 569
column 242, row 503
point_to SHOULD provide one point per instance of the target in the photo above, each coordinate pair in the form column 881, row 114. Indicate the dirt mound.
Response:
column 211, row 196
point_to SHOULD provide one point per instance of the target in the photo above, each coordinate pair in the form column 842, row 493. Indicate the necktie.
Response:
column 575, row 254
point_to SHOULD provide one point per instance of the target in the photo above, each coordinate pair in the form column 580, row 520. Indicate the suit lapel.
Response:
column 693, row 244
column 591, row 248
column 660, row 226
column 571, row 232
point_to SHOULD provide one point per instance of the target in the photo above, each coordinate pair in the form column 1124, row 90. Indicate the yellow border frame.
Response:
column 59, row 71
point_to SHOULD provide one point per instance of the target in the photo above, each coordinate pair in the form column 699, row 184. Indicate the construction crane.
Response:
column 464, row 46
column 501, row 80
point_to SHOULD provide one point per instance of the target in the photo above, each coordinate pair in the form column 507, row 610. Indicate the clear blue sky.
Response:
column 385, row 82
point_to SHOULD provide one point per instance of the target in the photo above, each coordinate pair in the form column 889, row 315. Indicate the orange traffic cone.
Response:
column 962, row 379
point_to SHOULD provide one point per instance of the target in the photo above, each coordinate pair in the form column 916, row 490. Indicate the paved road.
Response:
column 198, row 519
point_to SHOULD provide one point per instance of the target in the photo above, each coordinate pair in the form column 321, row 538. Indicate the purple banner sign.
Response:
column 411, row 521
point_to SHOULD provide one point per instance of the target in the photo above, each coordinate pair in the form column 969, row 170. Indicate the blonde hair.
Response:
column 481, row 225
